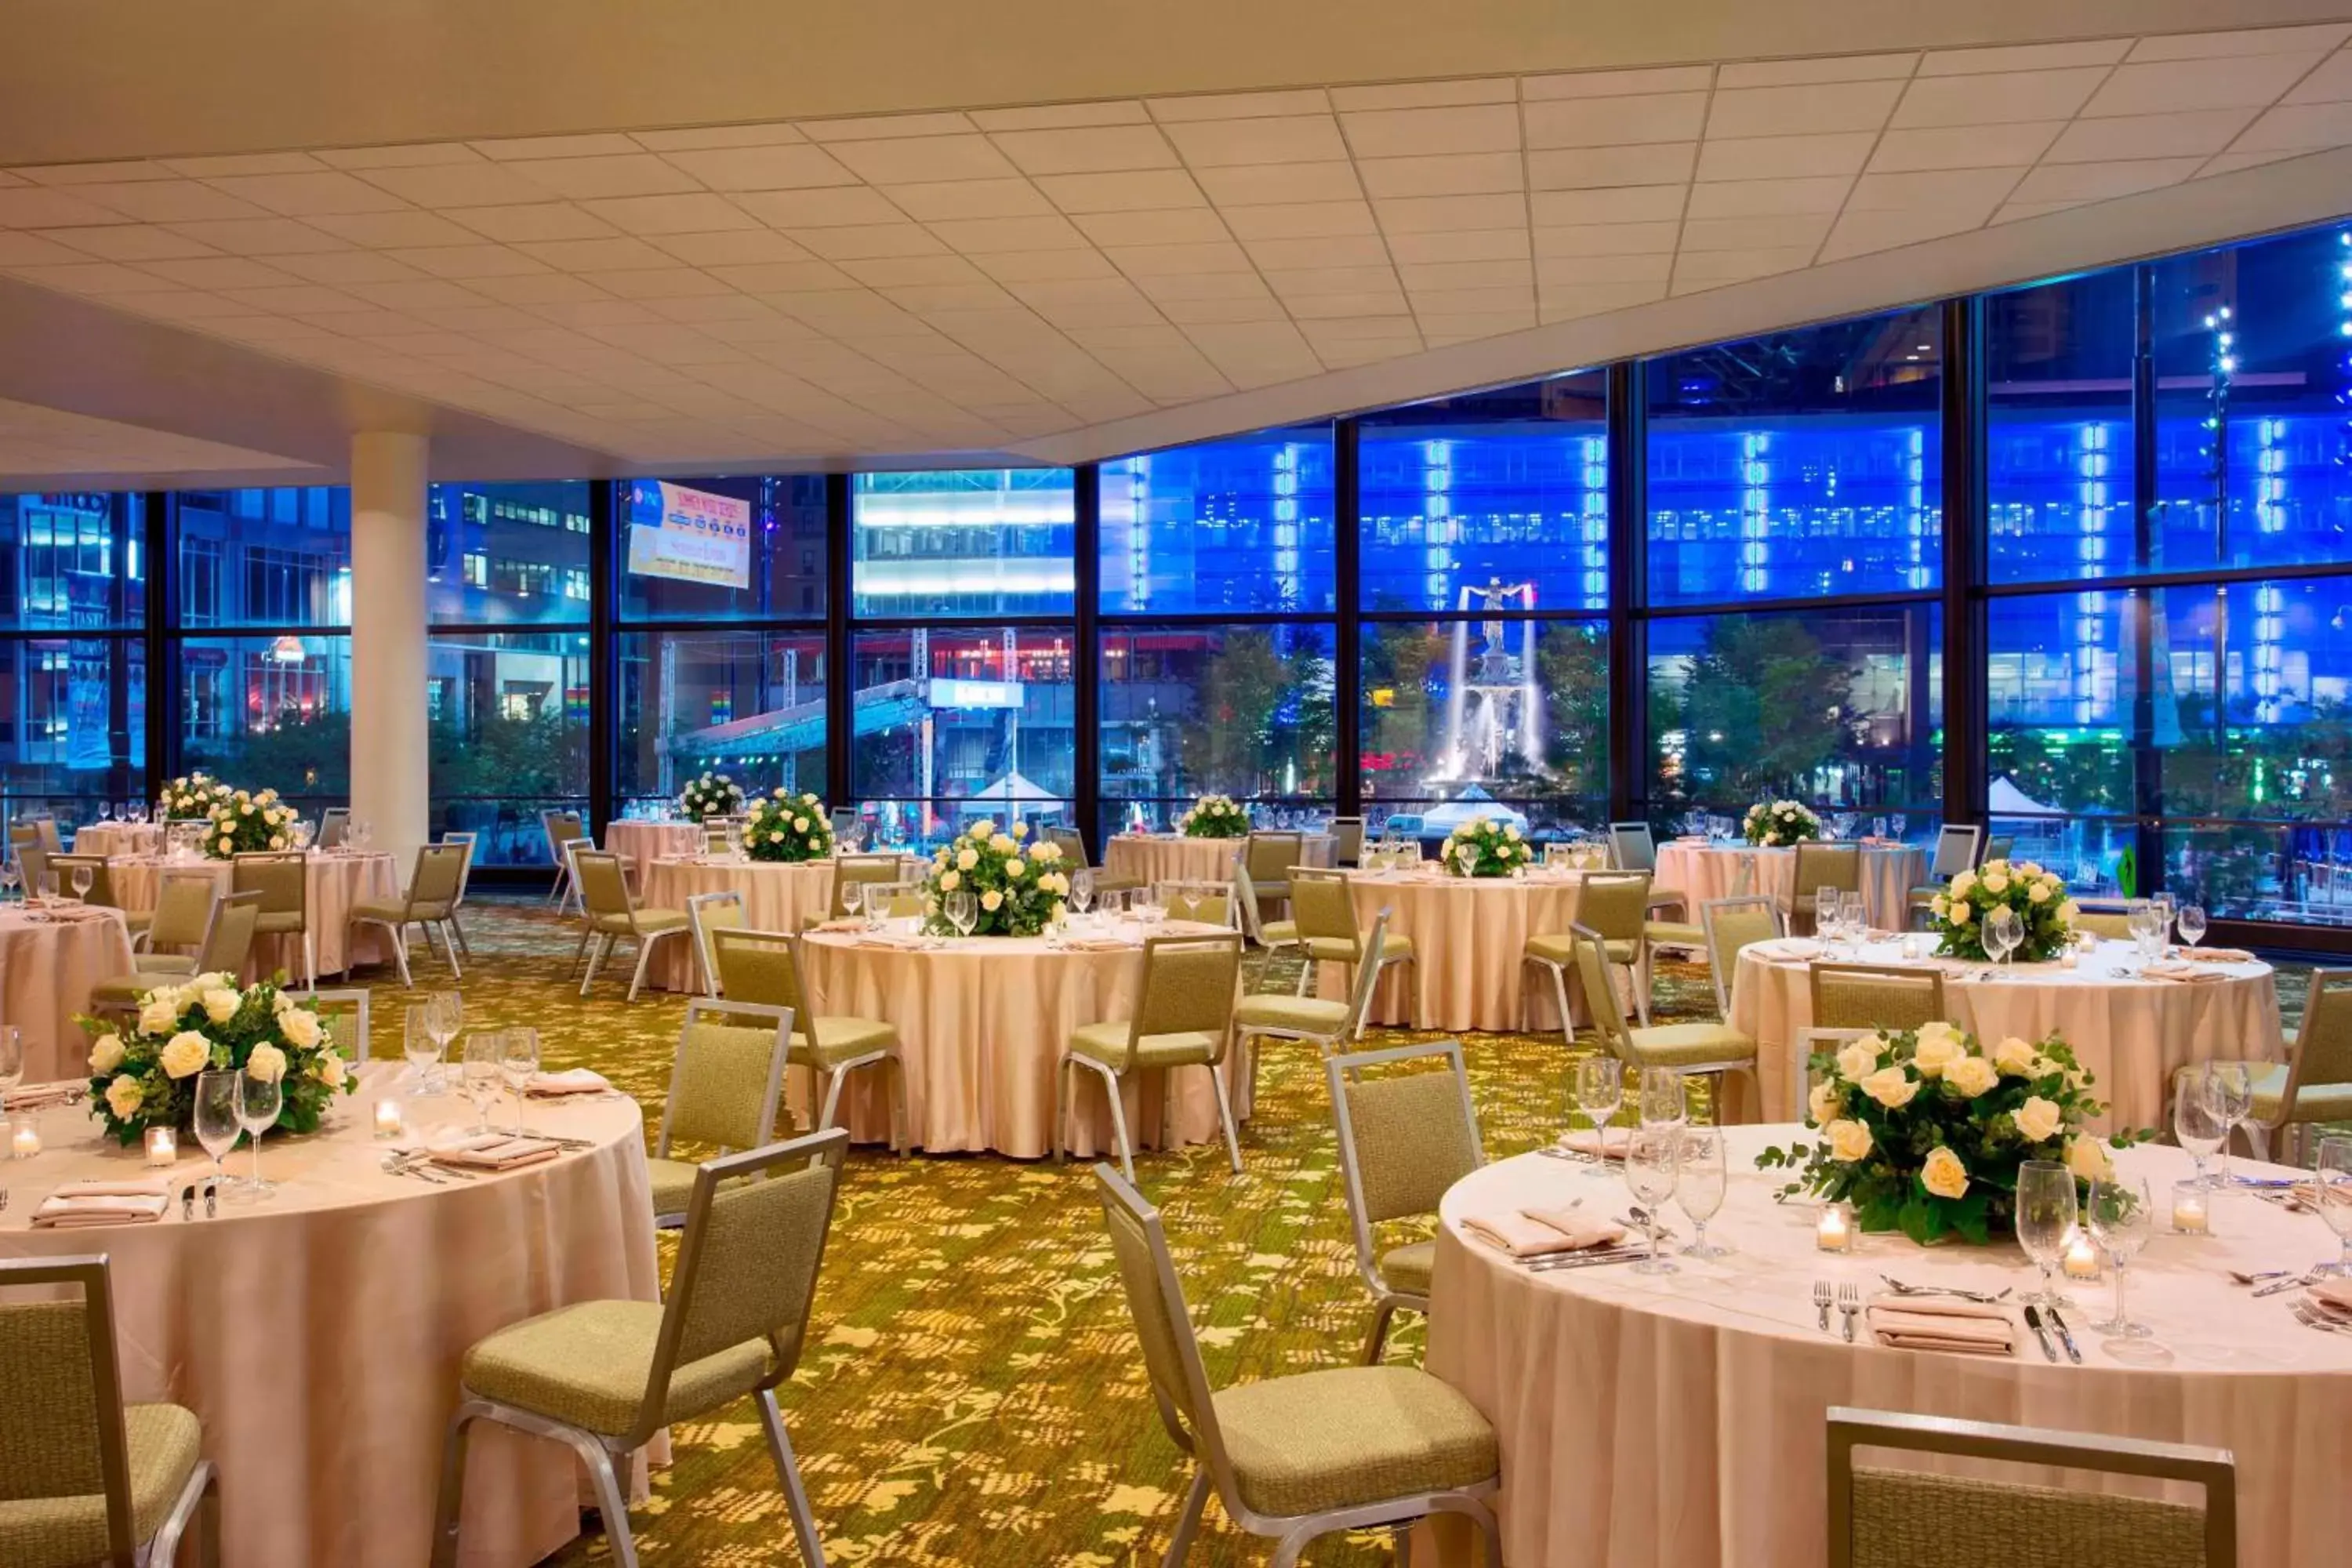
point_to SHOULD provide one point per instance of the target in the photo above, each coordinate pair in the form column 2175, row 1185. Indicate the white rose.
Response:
column 2014, row 1057
column 1510, row 833
column 330, row 1070
column 1001, row 843
column 1858, row 1057
column 800, row 825
column 2038, row 1120
column 983, row 830
column 227, row 844
column 2087, row 1160
column 221, row 1006
column 1015, row 869
column 2070, row 911
column 106, row 1054
column 247, row 809
column 276, row 841
column 1972, row 1076
column 1962, row 883
column 991, row 901
column 159, row 1014
column 1943, row 1174
column 1047, row 853
column 1962, row 914
column 815, row 843
column 1849, row 1141
column 1891, row 1087
column 266, row 1064
column 1822, row 1103
column 951, row 880
column 186, row 1054
column 1935, row 1053
column 1941, row 905
column 2039, row 893
column 1996, row 884
column 777, row 836
column 302, row 1027
column 123, row 1098
column 966, row 859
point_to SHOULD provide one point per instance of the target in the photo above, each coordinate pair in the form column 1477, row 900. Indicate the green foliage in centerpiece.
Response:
column 1922, row 1131
column 243, row 823
column 192, row 797
column 2043, row 911
column 144, row 1075
column 1771, row 824
column 712, row 795
column 787, row 827
column 1214, row 816
column 1485, row 848
column 1018, row 888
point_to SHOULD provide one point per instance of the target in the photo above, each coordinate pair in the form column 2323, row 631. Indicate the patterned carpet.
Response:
column 974, row 1393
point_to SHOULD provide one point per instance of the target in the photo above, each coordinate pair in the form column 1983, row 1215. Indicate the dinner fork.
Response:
column 1821, row 1299
column 1849, row 1298
column 2311, row 1317
column 1980, row 1297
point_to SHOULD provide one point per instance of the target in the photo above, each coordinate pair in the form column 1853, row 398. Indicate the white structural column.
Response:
column 389, row 777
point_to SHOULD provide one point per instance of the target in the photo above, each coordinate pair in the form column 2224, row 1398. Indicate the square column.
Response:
column 390, row 767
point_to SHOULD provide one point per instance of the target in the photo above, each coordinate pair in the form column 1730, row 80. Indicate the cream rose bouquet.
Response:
column 1017, row 888
column 2046, row 914
column 787, row 827
column 143, row 1074
column 712, row 795
column 1773, row 823
column 1485, row 848
column 1214, row 816
column 191, row 798
column 242, row 823
column 1922, row 1131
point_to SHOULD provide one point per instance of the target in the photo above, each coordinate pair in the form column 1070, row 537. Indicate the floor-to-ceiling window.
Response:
column 73, row 666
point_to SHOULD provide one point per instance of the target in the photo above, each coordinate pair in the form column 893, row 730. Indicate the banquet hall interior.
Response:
column 1058, row 786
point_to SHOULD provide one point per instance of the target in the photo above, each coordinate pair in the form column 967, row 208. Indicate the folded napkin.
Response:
column 2173, row 969
column 844, row 924
column 128, row 1201
column 1608, row 1142
column 2336, row 1294
column 1941, row 1323
column 494, row 1152
column 1690, row 838
column 2215, row 955
column 36, row 1097
column 1793, row 947
column 1537, row 1233
column 904, row 941
column 1099, row 944
column 579, row 1080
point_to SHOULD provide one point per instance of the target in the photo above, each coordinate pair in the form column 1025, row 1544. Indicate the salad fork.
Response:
column 2311, row 1317
column 1821, row 1299
column 1978, row 1296
column 1849, row 1301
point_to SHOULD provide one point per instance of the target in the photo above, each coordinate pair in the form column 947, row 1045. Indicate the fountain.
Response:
column 1493, row 711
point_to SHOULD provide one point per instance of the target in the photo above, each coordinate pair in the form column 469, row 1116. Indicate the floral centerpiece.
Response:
column 1485, row 848
column 2044, row 912
column 1773, row 823
column 712, row 795
column 144, row 1075
column 786, row 827
column 243, row 822
column 1922, row 1131
column 192, row 797
column 1018, row 887
column 1214, row 816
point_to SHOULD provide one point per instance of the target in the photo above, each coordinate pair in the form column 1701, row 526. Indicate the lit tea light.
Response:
column 162, row 1146
column 2190, row 1216
column 24, row 1142
column 389, row 1122
column 2082, row 1260
column 1834, row 1232
column 2067, row 958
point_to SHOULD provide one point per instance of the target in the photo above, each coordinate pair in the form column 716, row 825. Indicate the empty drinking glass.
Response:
column 83, row 878
column 963, row 910
column 1700, row 1185
column 1650, row 1177
column 2197, row 1124
column 1857, row 917
column 2190, row 924
column 1828, row 911
column 11, row 1060
column 1664, row 1097
column 1082, row 889
column 1600, row 1093
column 216, row 1124
column 2332, row 1185
column 2046, row 1214
column 2230, row 1087
column 258, row 1102
column 447, row 1017
column 2003, row 932
column 2119, row 1216
column 419, row 1044
column 479, row 1075
column 519, row 1064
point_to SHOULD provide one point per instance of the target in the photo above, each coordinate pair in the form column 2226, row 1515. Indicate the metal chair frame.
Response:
column 356, row 999
column 646, row 940
column 705, row 954
column 830, row 1082
column 1065, row 1101
column 1352, row 1023
column 696, row 1009
column 465, row 880
column 310, row 937
column 1720, row 966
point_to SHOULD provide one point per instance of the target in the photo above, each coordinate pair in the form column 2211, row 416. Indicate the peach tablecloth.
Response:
column 981, row 1021
column 318, row 1336
column 47, row 971
column 336, row 878
column 640, row 844
column 777, row 896
column 1467, row 971
column 2129, row 1033
column 118, row 838
column 1704, row 872
column 1173, row 857
column 1676, row 1421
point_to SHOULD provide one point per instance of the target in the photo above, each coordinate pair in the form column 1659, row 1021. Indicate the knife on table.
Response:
column 2033, row 1322
column 2065, row 1337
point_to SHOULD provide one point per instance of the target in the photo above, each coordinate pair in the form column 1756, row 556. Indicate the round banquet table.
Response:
column 981, row 1021
column 640, row 844
column 1704, row 872
column 1467, row 934
column 778, row 895
column 338, row 879
column 1173, row 857
column 1676, row 1421
column 328, row 1324
column 118, row 838
column 2130, row 1032
column 48, row 966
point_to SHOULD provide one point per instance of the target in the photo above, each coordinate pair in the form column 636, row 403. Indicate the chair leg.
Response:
column 311, row 958
column 1119, row 1122
column 1641, row 971
column 596, row 960
column 459, row 927
column 586, row 936
column 1187, row 1523
column 1376, row 1337
column 645, row 952
column 208, row 1523
column 1559, row 995
column 902, row 1115
column 450, row 1506
column 449, row 950
column 1286, row 1550
column 788, row 1470
column 1062, row 1110
column 398, row 936
column 832, row 1086
column 612, row 1502
column 1225, row 1117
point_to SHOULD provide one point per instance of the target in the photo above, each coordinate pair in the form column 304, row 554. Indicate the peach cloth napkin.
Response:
column 495, row 1151
column 40, row 1095
column 1941, row 1323
column 579, row 1080
column 2334, row 1294
column 127, row 1202
column 1609, row 1143
column 904, row 942
column 1099, row 944
column 839, row 925
column 1536, row 1232
column 2174, row 969
column 2216, row 955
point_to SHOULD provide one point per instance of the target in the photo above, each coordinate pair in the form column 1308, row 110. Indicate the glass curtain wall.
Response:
column 73, row 666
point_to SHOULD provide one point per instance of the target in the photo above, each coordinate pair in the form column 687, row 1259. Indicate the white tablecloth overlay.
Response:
column 640, row 844
column 1468, row 935
column 338, row 879
column 47, row 971
column 1704, row 872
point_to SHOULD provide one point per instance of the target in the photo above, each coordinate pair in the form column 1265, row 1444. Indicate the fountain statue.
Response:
column 1493, row 711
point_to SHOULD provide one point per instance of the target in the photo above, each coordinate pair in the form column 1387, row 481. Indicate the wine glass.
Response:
column 2332, row 1187
column 1082, row 889
column 1664, row 1098
column 2230, row 1087
column 2190, row 922
column 1700, row 1185
column 9, row 877
column 963, row 910
column 2120, row 1216
column 2197, row 1124
column 216, row 1123
column 420, row 1044
column 1827, row 908
column 519, row 1064
column 258, row 1101
column 873, row 899
column 1857, row 917
column 2140, row 918
column 446, row 1018
column 480, row 1074
column 83, row 876
column 2003, row 933
column 12, row 1061
column 2045, row 1213
column 1600, row 1093
column 1650, row 1177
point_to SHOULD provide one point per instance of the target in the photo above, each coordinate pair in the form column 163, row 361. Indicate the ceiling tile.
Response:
column 1616, row 121
column 978, row 235
column 383, row 231
column 2096, row 182
column 1620, row 204
column 1812, row 72
column 1754, row 232
column 244, row 163
column 290, row 297
column 1402, row 132
column 86, row 276
column 1043, row 265
column 1150, row 260
column 773, row 277
column 260, row 236
column 1798, row 110
column 764, row 168
column 1306, row 220
column 1713, row 269
column 1239, row 105
column 1448, row 173
column 1607, row 239
column 907, row 160
column 700, row 212
column 30, row 207
column 885, row 126
column 2025, row 58
column 1764, row 198
column 2253, row 41
column 927, row 297
column 1099, row 150
column 2330, row 83
column 1429, row 276
column 970, row 198
column 1296, row 139
column 1617, row 84
column 622, row 175
column 1591, row 168
column 1964, row 146
column 594, row 255
column 2147, row 136
column 1201, row 285
column 862, row 242
column 422, row 294
column 1560, row 272
column 27, row 249
column 1964, row 190
column 462, row 261
column 826, row 208
column 123, row 173
column 1460, row 244
column 178, row 304
column 1426, row 94
column 473, row 184
column 1996, row 99
column 906, row 271
column 2302, row 128
column 1419, row 215
column 2231, row 163
column 1138, row 190
column 710, row 137
column 127, row 242
column 658, row 282
column 2179, row 85
column 1332, row 306
column 169, row 201
column 1783, row 157
column 733, row 248
column 538, row 289
column 1061, row 116
column 1568, row 304
column 1329, row 250
column 1256, row 308
column 540, row 220
column 310, row 196
column 220, row 272
column 1184, row 225
column 1862, row 233
column 1276, row 183
column 602, row 143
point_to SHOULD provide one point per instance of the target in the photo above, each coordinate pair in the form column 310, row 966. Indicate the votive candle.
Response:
column 2190, row 1216
column 162, row 1146
column 25, row 1142
column 1834, row 1232
column 2082, row 1260
column 388, row 1120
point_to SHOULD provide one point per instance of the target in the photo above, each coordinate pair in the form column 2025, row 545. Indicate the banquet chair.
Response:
column 2315, row 1084
column 1874, row 996
column 605, row 1377
column 88, row 1477
column 101, row 883
column 183, row 909
column 1955, row 851
column 1211, row 903
column 1616, row 904
column 564, row 829
column 465, row 881
column 334, row 828
column 1632, row 846
column 2106, row 922
column 1296, row 1457
column 282, row 878
column 46, row 824
column 1732, row 924
column 843, row 821
column 1183, row 1018
column 707, row 912
column 1997, row 848
column 429, row 900
column 333, row 1005
column 1269, row 858
column 714, row 835
column 1711, row 1048
column 763, row 968
column 1327, row 925
column 1272, row 935
column 1073, row 846
column 1404, row 1138
column 724, row 1081
column 1347, row 840
column 1332, row 1026
column 1885, row 1517
column 227, row 944
column 1819, row 866
column 612, row 914
column 33, row 860
column 850, row 871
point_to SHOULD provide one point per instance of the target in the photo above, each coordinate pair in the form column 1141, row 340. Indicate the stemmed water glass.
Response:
column 1828, row 909
column 258, row 1101
column 1700, row 1185
column 480, row 1074
column 83, row 876
column 1650, row 1177
column 1600, row 1092
column 2045, row 1215
column 216, row 1123
column 2003, row 932
column 9, row 877
column 1857, row 919
column 12, row 1061
column 2120, row 1216
column 2140, row 918
column 1082, row 889
column 2197, row 1124
column 519, row 1064
column 2190, row 924
column 873, row 902
column 446, row 1016
column 420, row 1044
column 2332, row 1188
column 2230, row 1087
column 1664, row 1097
column 963, row 910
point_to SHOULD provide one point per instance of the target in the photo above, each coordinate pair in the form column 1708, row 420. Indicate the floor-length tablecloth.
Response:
column 118, row 838
column 337, row 879
column 1468, row 971
column 1704, row 872
column 2129, row 1032
column 47, row 970
column 981, row 1021
column 777, row 896
column 316, row 1337
column 1173, row 857
column 640, row 844
column 1677, row 1421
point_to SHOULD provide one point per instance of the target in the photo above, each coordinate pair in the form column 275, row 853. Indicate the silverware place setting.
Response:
column 1823, row 1297
column 2312, row 1316
column 2292, row 1282
column 1849, row 1302
column 1980, row 1298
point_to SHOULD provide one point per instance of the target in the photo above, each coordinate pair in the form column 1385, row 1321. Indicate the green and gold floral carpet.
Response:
column 973, row 1394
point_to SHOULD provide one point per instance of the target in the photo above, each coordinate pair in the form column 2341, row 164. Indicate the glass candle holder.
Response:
column 24, row 1140
column 2192, row 1211
column 388, row 1121
column 2081, row 1259
column 1833, row 1231
column 162, row 1146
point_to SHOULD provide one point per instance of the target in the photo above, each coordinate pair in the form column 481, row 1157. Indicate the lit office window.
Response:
column 968, row 542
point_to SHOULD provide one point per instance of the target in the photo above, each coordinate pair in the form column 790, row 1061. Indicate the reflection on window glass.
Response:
column 967, row 541
column 507, row 554
column 722, row 548
column 2058, row 404
column 72, row 561
column 1189, row 711
column 746, row 704
column 508, row 736
column 1843, row 710
column 1460, row 714
column 264, row 557
column 952, row 726
column 1489, row 491
column 1243, row 524
column 73, row 717
column 269, row 713
column 1801, row 464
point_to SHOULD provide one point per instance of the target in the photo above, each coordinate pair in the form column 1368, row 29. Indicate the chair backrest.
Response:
column 849, row 871
column 1404, row 1138
column 1821, row 865
column 1877, row 1515
column 1955, row 851
column 282, row 877
column 707, row 912
column 440, row 872
column 61, row 1427
column 334, row 826
column 1732, row 924
column 1871, row 996
column 1212, row 903
column 724, row 1080
column 562, row 827
column 183, row 909
column 1600, row 992
column 604, row 886
column 844, row 820
column 1368, row 975
column 1189, row 986
column 46, row 824
column 465, row 871
column 714, row 836
column 1070, row 842
column 333, row 1005
column 1997, row 848
column 2322, row 1047
column 1270, row 856
column 1245, row 895
column 762, row 967
column 1155, row 1300
column 1347, row 840
column 228, row 940
column 101, row 884
column 1614, row 903
column 2107, row 924
column 33, row 860
column 747, row 1264
column 1632, row 848
column 1320, row 903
